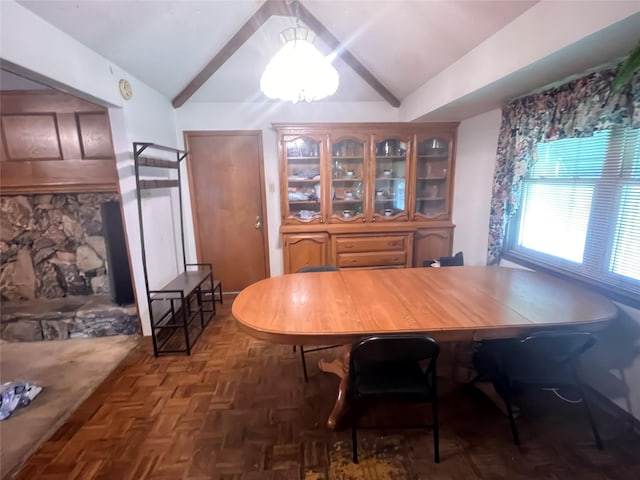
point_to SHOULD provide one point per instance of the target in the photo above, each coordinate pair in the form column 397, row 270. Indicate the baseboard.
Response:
column 616, row 411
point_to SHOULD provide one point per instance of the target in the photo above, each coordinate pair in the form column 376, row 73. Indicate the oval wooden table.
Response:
column 449, row 304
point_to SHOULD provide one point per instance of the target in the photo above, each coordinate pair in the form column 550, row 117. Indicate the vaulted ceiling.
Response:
column 166, row 43
column 401, row 43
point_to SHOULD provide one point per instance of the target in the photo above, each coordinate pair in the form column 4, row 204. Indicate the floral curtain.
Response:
column 574, row 109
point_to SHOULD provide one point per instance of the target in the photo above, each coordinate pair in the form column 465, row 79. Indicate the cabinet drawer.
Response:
column 370, row 244
column 371, row 259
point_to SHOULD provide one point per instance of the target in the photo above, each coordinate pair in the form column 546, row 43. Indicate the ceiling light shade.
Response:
column 299, row 72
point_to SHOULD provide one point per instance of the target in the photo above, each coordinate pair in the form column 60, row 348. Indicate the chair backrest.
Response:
column 400, row 348
column 558, row 347
column 455, row 261
column 318, row 268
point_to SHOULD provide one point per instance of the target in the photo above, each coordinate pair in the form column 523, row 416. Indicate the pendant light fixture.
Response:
column 299, row 72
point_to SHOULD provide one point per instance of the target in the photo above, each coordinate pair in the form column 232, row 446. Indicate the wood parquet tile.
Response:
column 238, row 409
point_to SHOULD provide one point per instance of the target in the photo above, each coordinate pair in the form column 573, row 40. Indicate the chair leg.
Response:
column 594, row 429
column 294, row 349
column 436, row 432
column 512, row 421
column 304, row 364
column 354, row 443
column 503, row 391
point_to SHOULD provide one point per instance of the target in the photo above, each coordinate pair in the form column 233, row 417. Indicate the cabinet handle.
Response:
column 364, row 219
column 373, row 219
column 258, row 222
column 322, row 220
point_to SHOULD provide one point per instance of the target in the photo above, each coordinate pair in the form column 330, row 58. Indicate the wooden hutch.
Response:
column 366, row 195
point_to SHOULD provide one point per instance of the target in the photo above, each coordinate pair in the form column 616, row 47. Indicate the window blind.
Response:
column 580, row 209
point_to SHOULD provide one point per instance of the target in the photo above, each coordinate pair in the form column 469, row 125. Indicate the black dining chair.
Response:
column 318, row 268
column 303, row 352
column 393, row 368
column 544, row 360
column 456, row 260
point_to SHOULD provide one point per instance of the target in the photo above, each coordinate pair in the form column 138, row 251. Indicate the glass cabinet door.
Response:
column 391, row 169
column 432, row 177
column 303, row 179
column 348, row 179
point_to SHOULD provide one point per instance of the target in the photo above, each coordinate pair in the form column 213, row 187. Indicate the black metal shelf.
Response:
column 174, row 307
column 144, row 145
column 149, row 184
column 157, row 162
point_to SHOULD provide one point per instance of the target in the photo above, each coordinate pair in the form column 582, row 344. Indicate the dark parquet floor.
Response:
column 238, row 409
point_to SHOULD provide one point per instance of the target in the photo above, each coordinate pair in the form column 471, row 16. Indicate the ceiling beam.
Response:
column 321, row 31
column 266, row 11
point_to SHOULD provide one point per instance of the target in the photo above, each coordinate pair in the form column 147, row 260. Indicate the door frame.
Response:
column 263, row 200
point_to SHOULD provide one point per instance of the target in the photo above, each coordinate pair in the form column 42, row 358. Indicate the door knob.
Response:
column 258, row 222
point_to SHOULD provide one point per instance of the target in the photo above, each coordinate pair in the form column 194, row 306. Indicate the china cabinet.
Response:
column 366, row 195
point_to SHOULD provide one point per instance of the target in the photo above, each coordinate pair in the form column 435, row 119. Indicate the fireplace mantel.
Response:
column 52, row 142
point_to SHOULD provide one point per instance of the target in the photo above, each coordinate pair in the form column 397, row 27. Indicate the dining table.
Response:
column 452, row 304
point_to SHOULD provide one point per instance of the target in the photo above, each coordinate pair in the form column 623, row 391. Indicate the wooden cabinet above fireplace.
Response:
column 54, row 142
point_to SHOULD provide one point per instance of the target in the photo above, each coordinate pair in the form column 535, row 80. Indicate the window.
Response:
column 580, row 210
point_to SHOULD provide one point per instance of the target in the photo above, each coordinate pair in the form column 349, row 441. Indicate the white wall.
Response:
column 475, row 163
column 34, row 48
column 475, row 160
column 545, row 29
column 231, row 116
column 147, row 117
column 46, row 54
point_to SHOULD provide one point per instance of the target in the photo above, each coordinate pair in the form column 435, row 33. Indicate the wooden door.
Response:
column 226, row 180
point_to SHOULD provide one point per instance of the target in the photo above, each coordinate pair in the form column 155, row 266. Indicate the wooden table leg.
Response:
column 464, row 375
column 492, row 394
column 340, row 367
column 455, row 363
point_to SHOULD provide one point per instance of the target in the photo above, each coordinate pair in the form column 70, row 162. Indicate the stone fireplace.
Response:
column 55, row 269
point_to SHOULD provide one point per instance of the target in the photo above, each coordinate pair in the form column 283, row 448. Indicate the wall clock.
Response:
column 125, row 89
